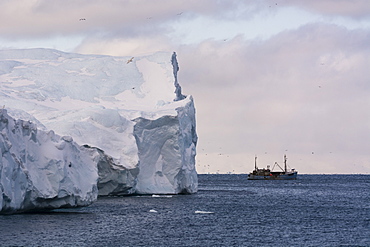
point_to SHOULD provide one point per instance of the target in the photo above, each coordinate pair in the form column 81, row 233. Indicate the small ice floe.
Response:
column 153, row 211
column 203, row 212
column 167, row 196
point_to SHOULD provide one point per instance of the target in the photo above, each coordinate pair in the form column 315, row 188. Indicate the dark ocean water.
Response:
column 314, row 210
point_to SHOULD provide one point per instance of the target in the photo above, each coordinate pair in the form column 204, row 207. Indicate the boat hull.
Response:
column 286, row 176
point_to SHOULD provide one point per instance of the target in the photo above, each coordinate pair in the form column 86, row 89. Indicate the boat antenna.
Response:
column 285, row 159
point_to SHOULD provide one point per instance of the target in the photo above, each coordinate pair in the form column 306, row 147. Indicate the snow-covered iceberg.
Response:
column 41, row 170
column 128, row 111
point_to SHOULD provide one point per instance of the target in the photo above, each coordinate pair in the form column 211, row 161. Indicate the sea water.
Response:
column 228, row 210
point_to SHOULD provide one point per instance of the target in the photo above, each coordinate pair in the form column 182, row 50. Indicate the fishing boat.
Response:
column 267, row 174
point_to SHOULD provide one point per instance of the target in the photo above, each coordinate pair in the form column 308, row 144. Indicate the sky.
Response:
column 268, row 77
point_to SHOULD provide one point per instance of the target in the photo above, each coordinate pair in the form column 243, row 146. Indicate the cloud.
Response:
column 356, row 9
column 303, row 90
column 125, row 46
column 124, row 18
column 37, row 18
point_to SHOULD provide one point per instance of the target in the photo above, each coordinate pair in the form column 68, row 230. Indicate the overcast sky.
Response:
column 268, row 77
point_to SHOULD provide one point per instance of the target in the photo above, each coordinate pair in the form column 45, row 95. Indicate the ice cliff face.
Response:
column 41, row 170
column 129, row 113
column 167, row 152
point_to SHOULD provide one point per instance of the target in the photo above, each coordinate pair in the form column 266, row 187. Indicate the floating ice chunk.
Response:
column 166, row 196
column 203, row 212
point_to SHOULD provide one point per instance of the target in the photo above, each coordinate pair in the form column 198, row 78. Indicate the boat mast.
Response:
column 285, row 163
column 255, row 162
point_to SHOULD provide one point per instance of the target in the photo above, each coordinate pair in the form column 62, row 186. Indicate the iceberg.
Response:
column 128, row 113
column 41, row 170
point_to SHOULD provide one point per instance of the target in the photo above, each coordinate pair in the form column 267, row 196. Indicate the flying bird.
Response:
column 82, row 19
column 130, row 60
